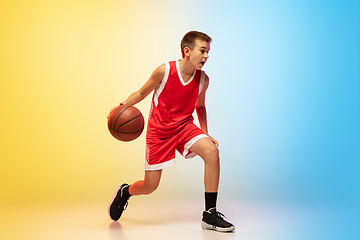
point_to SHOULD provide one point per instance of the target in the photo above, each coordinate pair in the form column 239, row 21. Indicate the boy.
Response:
column 180, row 88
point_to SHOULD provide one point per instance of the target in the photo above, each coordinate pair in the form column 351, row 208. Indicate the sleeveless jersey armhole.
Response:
column 202, row 79
column 161, row 86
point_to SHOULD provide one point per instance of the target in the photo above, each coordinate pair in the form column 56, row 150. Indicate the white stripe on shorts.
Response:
column 159, row 166
column 189, row 144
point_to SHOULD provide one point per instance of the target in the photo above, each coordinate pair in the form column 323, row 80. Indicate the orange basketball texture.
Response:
column 125, row 123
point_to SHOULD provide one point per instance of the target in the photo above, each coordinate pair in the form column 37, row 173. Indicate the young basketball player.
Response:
column 180, row 88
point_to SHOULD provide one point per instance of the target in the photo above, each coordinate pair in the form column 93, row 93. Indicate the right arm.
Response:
column 155, row 79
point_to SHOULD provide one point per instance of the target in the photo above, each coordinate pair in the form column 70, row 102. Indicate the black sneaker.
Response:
column 119, row 203
column 213, row 220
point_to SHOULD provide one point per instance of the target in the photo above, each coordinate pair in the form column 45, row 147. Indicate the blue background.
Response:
column 284, row 102
column 284, row 98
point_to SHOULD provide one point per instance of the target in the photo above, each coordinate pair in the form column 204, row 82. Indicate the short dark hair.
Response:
column 189, row 40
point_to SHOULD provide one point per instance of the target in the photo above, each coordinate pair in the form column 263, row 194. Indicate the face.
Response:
column 199, row 55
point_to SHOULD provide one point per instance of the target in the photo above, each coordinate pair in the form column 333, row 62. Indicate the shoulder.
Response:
column 159, row 73
column 206, row 77
column 160, row 70
column 203, row 74
column 204, row 82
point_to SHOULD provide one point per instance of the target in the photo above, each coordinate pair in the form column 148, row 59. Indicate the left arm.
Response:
column 201, row 110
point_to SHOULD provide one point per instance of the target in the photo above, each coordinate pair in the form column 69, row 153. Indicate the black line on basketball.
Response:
column 118, row 134
column 130, row 132
column 120, row 114
column 117, row 131
column 127, row 122
column 114, row 131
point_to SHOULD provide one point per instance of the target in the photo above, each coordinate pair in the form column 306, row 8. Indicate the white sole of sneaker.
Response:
column 206, row 226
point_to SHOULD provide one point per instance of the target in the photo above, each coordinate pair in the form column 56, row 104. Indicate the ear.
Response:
column 187, row 51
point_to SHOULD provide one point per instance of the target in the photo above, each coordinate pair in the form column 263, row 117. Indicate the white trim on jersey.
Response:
column 180, row 77
column 160, row 165
column 202, row 79
column 161, row 86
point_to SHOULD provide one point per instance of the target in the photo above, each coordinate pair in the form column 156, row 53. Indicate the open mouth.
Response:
column 202, row 63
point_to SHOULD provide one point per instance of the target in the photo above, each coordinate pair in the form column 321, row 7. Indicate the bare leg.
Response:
column 207, row 150
column 148, row 185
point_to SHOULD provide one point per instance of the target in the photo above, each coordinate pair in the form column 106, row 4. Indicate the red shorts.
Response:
column 160, row 152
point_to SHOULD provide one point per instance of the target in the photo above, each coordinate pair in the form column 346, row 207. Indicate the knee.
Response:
column 212, row 154
column 150, row 188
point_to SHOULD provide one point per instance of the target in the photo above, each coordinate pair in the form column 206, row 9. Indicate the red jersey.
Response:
column 170, row 125
column 173, row 102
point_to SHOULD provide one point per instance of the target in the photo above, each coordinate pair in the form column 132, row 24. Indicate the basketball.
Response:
column 125, row 123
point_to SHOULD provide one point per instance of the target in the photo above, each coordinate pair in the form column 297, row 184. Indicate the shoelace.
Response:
column 220, row 215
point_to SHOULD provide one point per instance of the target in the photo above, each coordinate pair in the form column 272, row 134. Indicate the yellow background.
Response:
column 64, row 65
column 283, row 103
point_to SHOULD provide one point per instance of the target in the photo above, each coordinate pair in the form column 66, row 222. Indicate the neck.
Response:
column 185, row 67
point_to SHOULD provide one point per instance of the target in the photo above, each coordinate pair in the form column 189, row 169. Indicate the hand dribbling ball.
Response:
column 125, row 123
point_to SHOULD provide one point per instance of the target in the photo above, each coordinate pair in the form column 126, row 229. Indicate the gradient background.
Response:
column 283, row 102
